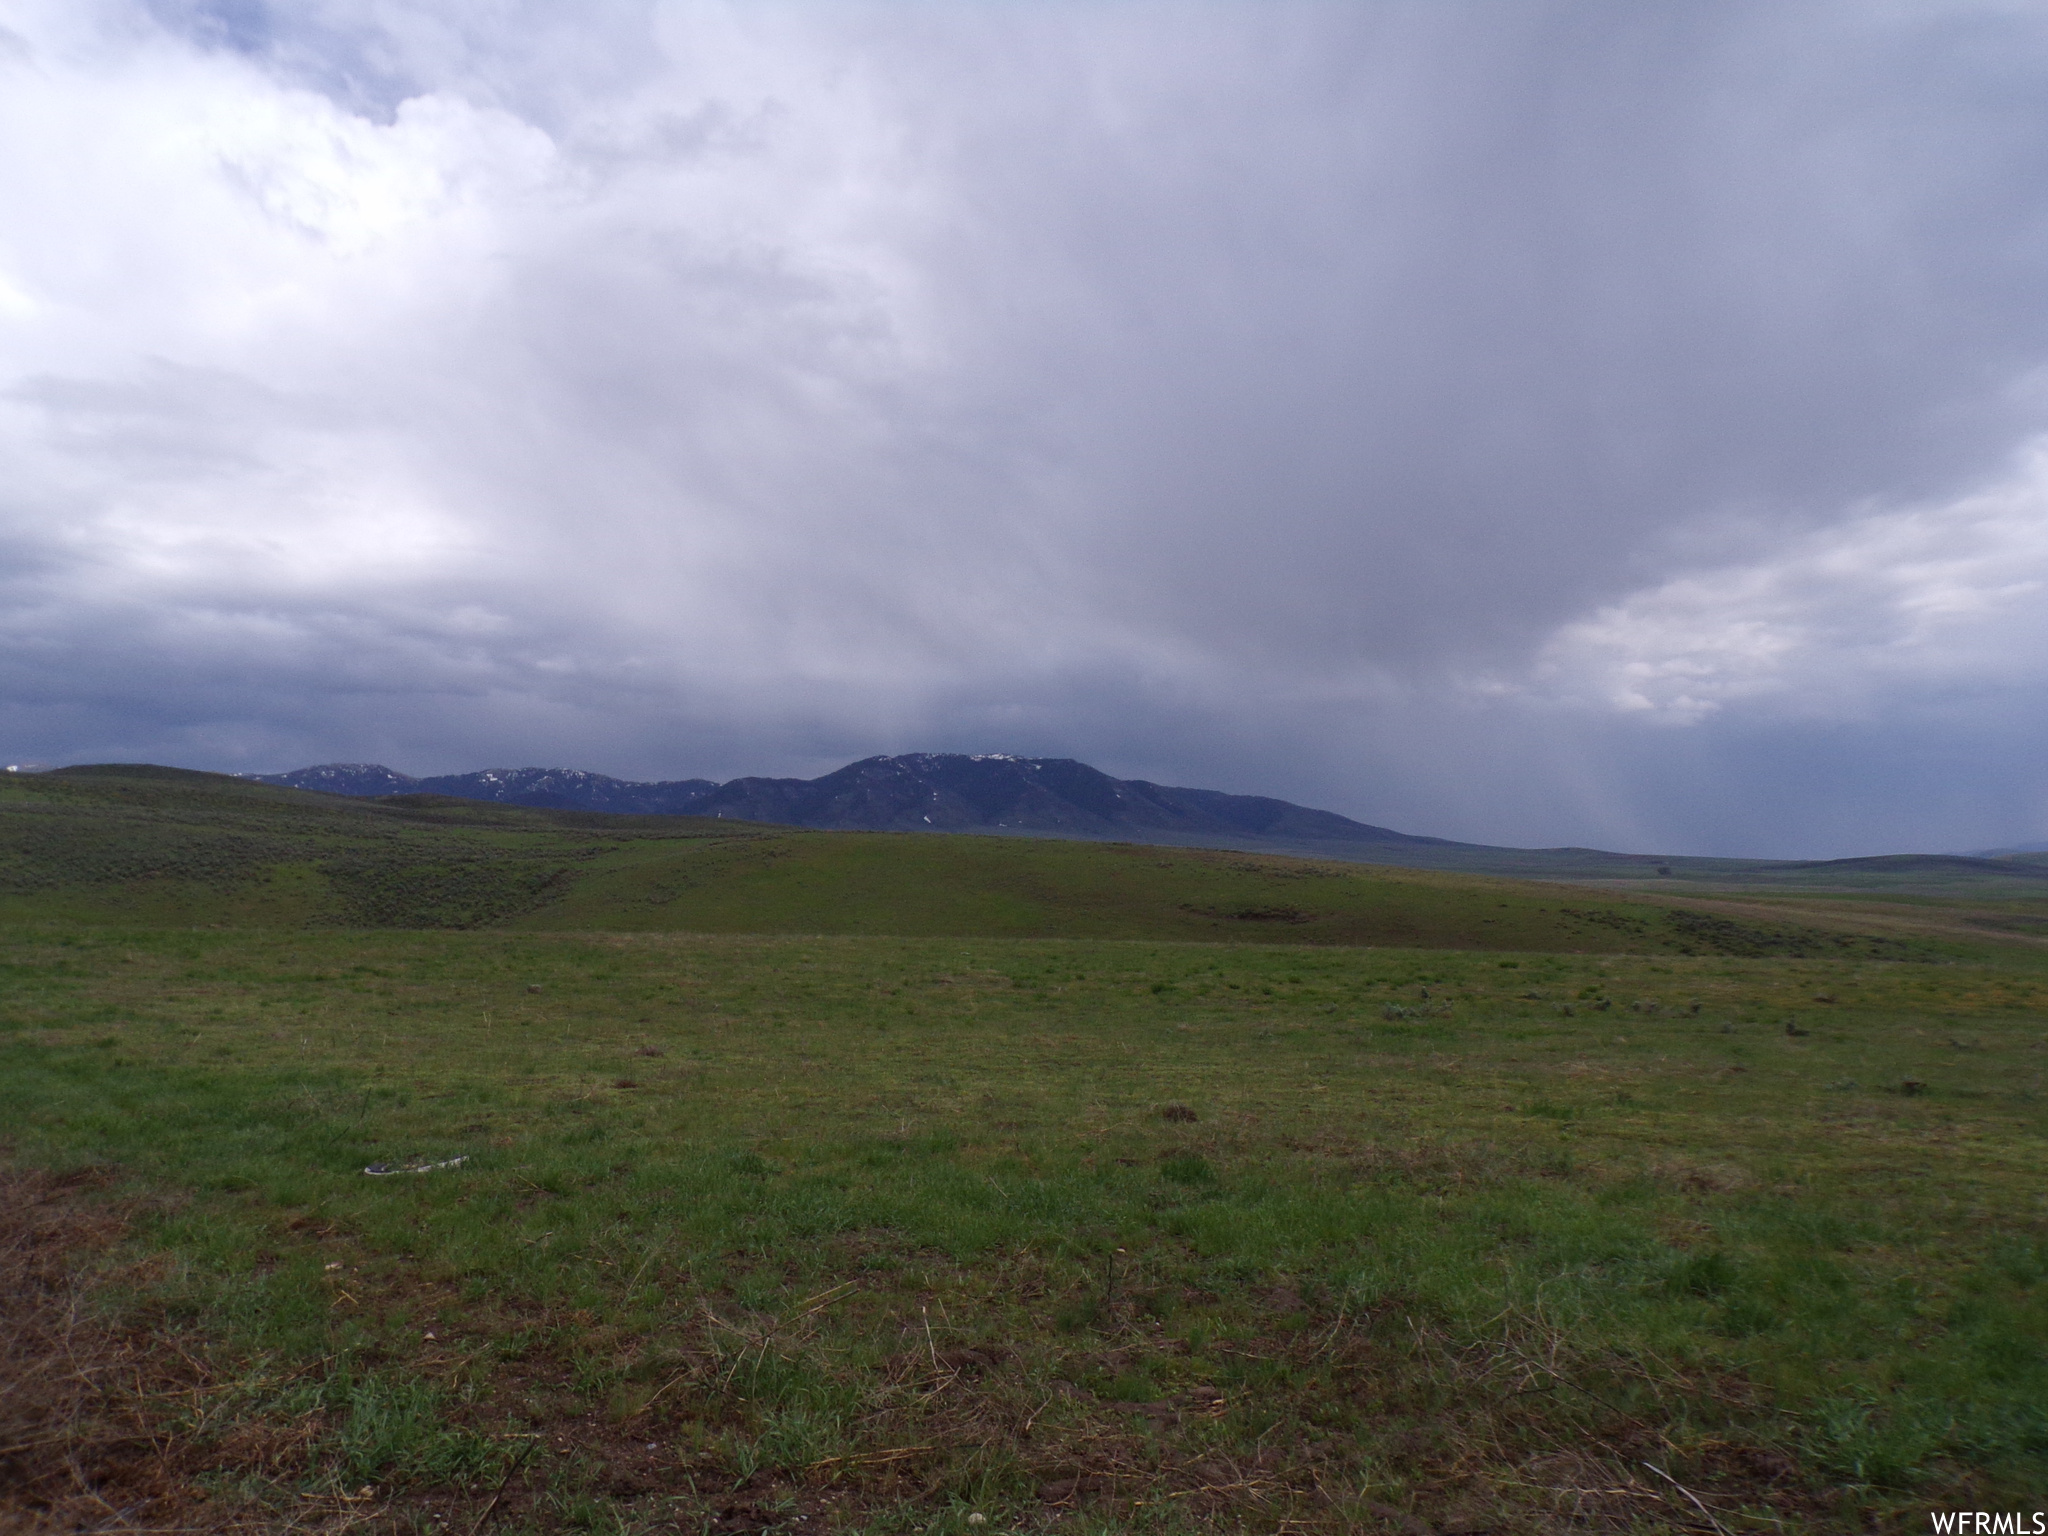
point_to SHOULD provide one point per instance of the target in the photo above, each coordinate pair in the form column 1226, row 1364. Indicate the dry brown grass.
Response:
column 76, row 1447
column 86, row 1401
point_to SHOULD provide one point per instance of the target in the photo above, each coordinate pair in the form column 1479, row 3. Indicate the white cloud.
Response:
column 1834, row 624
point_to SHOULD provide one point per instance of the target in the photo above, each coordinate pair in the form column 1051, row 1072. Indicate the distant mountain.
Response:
column 921, row 791
column 559, row 789
column 364, row 781
column 952, row 792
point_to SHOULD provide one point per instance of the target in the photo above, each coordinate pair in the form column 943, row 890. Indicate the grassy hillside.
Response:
column 153, row 845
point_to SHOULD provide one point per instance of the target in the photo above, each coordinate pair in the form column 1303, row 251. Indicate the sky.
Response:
column 1557, row 422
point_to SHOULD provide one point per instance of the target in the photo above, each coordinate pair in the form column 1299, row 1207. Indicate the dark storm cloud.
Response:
column 1571, row 422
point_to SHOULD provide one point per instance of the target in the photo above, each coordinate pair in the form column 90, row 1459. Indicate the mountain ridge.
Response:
column 939, row 791
column 554, row 789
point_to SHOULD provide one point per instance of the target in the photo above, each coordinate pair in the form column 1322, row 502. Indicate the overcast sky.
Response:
column 1596, row 423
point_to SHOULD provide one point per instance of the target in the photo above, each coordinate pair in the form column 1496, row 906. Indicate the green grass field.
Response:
column 1131, row 1224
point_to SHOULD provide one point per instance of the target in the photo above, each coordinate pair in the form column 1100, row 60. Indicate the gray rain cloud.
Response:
column 1588, row 422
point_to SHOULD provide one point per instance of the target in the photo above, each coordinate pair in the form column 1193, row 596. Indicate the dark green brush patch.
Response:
column 1703, row 933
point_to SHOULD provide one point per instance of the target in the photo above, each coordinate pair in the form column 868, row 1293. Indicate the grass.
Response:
column 800, row 1181
column 860, row 1232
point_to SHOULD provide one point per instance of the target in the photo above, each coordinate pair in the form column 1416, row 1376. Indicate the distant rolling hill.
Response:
column 151, row 846
column 1059, row 797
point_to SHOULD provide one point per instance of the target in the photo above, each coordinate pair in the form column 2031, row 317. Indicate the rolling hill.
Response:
column 155, row 846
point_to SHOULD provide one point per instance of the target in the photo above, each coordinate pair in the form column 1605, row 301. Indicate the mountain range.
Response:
column 917, row 792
